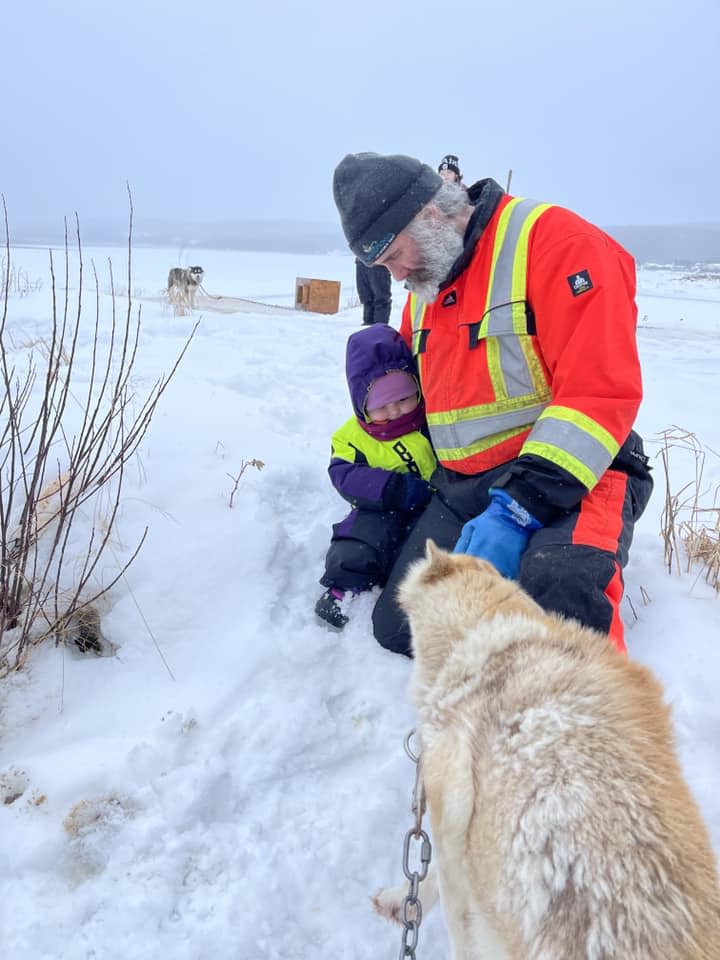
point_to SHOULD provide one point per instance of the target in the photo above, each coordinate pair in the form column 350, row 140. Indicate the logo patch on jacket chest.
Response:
column 450, row 299
column 580, row 282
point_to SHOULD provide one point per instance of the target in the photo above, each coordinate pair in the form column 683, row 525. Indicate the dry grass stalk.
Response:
column 16, row 281
column 684, row 520
column 41, row 345
column 703, row 546
column 244, row 464
column 49, row 564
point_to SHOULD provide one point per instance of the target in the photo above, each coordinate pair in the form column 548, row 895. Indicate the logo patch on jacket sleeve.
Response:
column 580, row 282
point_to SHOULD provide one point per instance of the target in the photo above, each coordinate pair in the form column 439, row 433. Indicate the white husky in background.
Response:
column 563, row 828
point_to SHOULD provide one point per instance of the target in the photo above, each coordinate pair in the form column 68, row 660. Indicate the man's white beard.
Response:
column 439, row 245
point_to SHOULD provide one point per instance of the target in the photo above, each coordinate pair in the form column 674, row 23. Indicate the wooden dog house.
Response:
column 317, row 296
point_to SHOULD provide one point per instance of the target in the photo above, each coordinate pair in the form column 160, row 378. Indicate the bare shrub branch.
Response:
column 52, row 463
column 244, row 464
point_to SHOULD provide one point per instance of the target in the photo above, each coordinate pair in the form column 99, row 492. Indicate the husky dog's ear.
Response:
column 439, row 562
column 436, row 566
column 431, row 549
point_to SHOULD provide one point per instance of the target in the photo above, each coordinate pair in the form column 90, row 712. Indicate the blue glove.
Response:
column 415, row 492
column 500, row 534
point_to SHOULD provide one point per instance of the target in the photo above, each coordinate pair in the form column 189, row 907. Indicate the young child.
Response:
column 381, row 462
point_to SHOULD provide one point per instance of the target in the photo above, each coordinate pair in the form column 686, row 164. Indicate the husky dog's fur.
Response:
column 563, row 828
column 183, row 283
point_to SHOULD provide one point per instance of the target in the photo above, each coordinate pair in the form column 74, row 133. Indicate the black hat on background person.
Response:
column 377, row 196
column 450, row 165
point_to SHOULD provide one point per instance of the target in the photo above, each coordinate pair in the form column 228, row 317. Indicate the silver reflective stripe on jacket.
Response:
column 460, row 435
column 506, row 316
column 518, row 380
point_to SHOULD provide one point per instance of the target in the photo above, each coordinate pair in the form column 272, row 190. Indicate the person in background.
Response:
column 449, row 169
column 381, row 463
column 522, row 321
column 374, row 290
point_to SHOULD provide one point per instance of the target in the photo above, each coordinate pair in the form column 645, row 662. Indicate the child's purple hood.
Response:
column 371, row 353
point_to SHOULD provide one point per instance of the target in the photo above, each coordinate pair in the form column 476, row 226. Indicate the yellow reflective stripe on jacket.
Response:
column 478, row 446
column 513, row 366
column 519, row 299
column 519, row 383
column 417, row 315
column 462, row 433
column 574, row 442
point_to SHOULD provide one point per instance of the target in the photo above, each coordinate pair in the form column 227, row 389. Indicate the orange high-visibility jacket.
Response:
column 531, row 352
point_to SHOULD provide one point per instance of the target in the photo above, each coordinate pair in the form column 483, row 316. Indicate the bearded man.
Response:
column 522, row 321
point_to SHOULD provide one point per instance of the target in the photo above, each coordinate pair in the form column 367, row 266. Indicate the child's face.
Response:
column 391, row 411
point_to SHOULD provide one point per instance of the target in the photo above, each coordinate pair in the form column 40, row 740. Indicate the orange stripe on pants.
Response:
column 614, row 593
column 599, row 524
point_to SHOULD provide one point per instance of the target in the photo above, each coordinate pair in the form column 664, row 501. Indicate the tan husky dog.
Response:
column 563, row 828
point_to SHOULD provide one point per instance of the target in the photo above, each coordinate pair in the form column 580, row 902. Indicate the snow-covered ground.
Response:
column 232, row 783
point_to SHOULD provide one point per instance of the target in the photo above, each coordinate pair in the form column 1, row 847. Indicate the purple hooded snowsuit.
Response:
column 381, row 469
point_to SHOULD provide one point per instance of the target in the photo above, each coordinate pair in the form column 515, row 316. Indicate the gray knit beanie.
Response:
column 377, row 197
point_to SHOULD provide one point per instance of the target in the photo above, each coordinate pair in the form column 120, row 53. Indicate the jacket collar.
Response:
column 485, row 195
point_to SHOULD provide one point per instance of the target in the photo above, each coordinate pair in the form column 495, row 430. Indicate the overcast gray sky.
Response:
column 240, row 109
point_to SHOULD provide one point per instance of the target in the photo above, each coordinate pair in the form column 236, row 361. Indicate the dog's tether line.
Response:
column 411, row 916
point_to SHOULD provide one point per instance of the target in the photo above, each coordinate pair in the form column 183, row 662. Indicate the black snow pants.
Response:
column 572, row 566
column 363, row 548
column 374, row 291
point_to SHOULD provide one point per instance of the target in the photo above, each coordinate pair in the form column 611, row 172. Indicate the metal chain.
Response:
column 411, row 906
